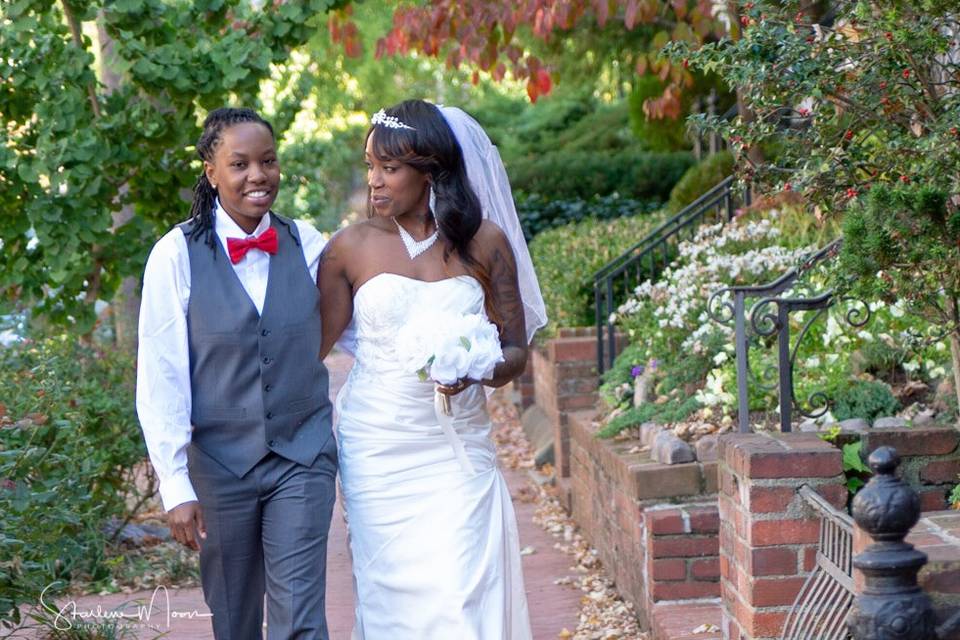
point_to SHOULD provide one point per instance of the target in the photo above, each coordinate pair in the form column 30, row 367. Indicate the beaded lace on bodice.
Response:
column 382, row 304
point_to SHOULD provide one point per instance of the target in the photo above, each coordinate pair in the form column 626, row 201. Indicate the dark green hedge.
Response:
column 584, row 174
column 539, row 214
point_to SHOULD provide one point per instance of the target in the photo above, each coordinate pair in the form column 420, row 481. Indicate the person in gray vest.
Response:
column 232, row 395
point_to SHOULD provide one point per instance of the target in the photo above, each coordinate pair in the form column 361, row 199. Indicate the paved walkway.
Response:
column 552, row 607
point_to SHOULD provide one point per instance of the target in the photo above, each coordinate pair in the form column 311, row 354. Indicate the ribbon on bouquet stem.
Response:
column 441, row 406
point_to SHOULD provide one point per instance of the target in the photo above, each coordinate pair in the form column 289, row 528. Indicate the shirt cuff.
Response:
column 176, row 490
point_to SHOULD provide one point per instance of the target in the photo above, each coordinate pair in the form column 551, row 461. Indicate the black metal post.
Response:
column 743, row 363
column 891, row 604
column 611, row 334
column 785, row 366
column 598, row 313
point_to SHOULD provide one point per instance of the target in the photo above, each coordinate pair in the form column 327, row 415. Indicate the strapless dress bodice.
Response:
column 382, row 305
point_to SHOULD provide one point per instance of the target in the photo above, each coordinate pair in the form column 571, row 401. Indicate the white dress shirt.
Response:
column 163, row 359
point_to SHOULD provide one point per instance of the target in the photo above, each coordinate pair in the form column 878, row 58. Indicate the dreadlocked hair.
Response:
column 429, row 146
column 204, row 195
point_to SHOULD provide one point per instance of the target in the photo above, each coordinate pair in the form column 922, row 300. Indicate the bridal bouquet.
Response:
column 446, row 346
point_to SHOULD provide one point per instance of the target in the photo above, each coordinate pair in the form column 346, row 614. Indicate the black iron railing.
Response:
column 769, row 317
column 646, row 259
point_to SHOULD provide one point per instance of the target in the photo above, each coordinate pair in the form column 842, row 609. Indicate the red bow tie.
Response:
column 238, row 247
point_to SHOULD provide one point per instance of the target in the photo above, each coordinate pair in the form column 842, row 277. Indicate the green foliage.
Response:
column 319, row 176
column 538, row 213
column 873, row 97
column 907, row 235
column 583, row 174
column 867, row 399
column 76, row 147
column 68, row 440
column 665, row 413
column 567, row 257
column 854, row 467
column 700, row 178
column 954, row 498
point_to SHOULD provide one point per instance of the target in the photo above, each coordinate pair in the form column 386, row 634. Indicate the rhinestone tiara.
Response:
column 390, row 122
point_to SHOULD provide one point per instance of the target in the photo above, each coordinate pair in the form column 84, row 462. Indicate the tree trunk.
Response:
column 754, row 154
column 954, row 309
column 125, row 306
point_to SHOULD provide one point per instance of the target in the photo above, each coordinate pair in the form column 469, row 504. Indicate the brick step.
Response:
column 678, row 621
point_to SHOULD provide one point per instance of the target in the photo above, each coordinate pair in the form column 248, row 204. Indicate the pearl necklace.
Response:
column 414, row 247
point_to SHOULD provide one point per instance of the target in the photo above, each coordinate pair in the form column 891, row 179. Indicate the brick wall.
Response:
column 523, row 386
column 611, row 490
column 930, row 459
column 938, row 536
column 682, row 553
column 564, row 380
column 768, row 536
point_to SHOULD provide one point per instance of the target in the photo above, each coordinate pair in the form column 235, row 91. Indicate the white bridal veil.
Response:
column 489, row 181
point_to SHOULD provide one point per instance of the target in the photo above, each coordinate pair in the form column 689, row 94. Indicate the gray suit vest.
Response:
column 257, row 381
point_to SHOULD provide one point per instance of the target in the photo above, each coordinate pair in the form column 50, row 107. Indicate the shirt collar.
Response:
column 227, row 228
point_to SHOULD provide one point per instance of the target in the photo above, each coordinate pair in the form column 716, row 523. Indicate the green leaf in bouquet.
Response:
column 465, row 342
column 422, row 374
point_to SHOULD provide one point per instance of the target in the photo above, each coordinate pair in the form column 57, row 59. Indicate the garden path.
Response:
column 553, row 607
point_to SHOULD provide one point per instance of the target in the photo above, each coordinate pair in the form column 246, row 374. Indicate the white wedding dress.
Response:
column 435, row 547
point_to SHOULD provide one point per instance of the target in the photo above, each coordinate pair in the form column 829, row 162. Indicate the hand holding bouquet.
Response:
column 447, row 347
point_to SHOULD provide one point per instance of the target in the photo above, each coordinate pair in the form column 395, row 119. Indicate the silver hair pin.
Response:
column 390, row 122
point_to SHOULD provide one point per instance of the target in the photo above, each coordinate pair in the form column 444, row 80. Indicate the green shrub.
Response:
column 68, row 439
column 539, row 214
column 867, row 399
column 606, row 128
column 700, row 178
column 567, row 257
column 583, row 174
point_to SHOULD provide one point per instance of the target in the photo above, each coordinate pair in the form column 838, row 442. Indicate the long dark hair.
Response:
column 431, row 148
column 204, row 195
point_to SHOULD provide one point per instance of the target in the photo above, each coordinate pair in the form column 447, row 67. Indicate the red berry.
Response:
column 883, row 84
column 744, row 20
column 686, row 63
column 904, row 179
column 906, row 73
column 851, row 193
column 848, row 135
column 953, row 131
column 787, row 187
column 889, row 36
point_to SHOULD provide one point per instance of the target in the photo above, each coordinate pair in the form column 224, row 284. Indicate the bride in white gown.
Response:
column 433, row 533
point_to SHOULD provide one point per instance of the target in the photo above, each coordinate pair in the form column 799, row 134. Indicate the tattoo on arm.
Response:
column 509, row 307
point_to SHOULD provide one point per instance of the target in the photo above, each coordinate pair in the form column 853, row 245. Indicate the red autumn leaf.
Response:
column 680, row 8
column 352, row 47
column 532, row 90
column 333, row 26
column 603, row 12
column 544, row 83
column 630, row 14
column 3, row 409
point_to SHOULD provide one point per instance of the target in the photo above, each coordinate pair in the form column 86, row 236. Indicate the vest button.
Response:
column 272, row 443
column 268, row 388
column 269, row 415
column 265, row 332
column 267, row 360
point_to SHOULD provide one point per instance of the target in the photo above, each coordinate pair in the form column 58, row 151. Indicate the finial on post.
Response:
column 891, row 604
